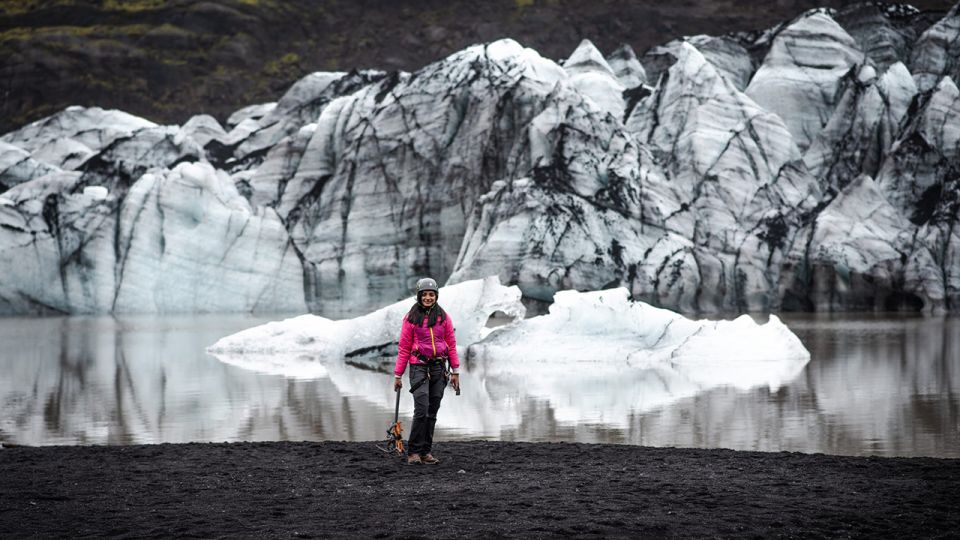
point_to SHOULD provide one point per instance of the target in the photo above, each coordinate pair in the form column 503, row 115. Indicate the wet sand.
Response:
column 481, row 489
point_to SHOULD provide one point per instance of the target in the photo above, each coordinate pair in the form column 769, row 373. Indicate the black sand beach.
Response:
column 480, row 490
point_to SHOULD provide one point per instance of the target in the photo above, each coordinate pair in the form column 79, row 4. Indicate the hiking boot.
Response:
column 414, row 459
column 429, row 459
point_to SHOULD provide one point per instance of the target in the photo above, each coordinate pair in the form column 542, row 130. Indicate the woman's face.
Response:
column 428, row 298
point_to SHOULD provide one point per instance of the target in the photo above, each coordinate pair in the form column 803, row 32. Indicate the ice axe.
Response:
column 394, row 432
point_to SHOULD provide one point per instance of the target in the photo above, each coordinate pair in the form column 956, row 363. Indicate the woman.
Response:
column 426, row 343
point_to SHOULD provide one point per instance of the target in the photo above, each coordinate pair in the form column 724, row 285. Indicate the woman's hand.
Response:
column 455, row 381
column 397, row 384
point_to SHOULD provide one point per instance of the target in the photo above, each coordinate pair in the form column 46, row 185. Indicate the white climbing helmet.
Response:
column 427, row 284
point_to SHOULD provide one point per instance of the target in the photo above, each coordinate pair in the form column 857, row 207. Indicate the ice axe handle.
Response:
column 396, row 410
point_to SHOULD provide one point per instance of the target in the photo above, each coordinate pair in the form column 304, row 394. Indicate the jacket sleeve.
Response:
column 451, row 340
column 403, row 349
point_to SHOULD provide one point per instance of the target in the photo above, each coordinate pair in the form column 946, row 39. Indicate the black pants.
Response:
column 426, row 403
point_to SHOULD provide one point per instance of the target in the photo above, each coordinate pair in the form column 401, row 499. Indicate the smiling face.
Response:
column 428, row 298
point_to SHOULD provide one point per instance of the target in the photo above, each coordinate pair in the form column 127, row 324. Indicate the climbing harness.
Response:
column 427, row 362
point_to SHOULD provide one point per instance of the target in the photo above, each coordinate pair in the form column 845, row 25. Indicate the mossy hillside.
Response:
column 161, row 60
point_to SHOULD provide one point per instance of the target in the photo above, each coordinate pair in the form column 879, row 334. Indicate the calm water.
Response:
column 876, row 385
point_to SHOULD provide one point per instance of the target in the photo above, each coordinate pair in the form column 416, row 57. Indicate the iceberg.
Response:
column 595, row 357
column 600, row 357
column 287, row 347
column 606, row 332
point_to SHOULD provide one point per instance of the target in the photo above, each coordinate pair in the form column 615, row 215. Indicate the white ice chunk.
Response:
column 603, row 331
column 599, row 358
column 470, row 304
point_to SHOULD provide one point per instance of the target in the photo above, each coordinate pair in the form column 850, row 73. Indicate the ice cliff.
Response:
column 810, row 166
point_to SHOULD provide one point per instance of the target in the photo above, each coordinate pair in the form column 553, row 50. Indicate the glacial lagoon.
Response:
column 876, row 384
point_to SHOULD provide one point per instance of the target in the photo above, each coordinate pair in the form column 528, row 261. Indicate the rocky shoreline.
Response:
column 481, row 489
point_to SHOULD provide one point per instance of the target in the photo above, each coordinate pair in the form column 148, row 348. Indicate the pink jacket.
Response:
column 438, row 340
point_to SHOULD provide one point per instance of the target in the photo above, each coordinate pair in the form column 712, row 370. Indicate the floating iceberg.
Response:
column 596, row 357
column 605, row 333
column 289, row 347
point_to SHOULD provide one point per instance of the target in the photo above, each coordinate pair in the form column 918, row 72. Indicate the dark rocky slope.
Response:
column 169, row 60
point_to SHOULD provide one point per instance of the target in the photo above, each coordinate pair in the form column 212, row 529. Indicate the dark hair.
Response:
column 417, row 313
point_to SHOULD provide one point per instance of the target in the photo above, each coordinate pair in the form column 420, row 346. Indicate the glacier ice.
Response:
column 798, row 79
column 703, row 177
column 603, row 333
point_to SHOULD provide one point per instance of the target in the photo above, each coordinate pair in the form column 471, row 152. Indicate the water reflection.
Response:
column 874, row 385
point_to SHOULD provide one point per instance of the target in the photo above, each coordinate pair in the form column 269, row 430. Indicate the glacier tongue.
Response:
column 728, row 185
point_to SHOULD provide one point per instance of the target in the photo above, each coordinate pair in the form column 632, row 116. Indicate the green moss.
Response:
column 429, row 17
column 17, row 7
column 524, row 3
column 167, row 29
column 283, row 65
column 132, row 6
column 47, row 32
column 267, row 4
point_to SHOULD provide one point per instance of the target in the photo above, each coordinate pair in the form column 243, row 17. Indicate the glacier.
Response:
column 710, row 174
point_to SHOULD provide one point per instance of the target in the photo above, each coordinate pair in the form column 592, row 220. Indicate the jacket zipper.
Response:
column 432, row 342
